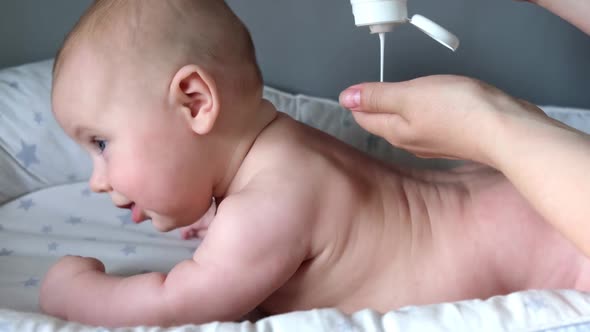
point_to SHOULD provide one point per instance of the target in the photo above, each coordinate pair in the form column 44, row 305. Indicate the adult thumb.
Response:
column 373, row 97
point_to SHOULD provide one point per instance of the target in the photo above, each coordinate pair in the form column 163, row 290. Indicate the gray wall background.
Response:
column 313, row 47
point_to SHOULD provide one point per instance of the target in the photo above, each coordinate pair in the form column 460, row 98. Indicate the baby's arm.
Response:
column 247, row 255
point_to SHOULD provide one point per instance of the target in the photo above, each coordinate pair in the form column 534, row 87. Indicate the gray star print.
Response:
column 32, row 282
column 38, row 117
column 6, row 252
column 26, row 204
column 128, row 250
column 13, row 85
column 1, row 228
column 74, row 220
column 125, row 219
column 52, row 246
column 535, row 303
column 27, row 154
column 86, row 192
column 47, row 229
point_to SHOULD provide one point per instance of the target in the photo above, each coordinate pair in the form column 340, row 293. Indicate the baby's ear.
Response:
column 194, row 92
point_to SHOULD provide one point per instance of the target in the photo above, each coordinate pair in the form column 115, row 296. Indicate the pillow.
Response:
column 34, row 151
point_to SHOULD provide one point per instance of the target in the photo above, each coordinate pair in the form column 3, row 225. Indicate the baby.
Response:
column 166, row 96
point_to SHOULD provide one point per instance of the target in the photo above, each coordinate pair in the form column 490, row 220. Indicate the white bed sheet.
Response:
column 558, row 311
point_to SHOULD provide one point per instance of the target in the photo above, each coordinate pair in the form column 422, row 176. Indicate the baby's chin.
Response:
column 165, row 225
column 165, row 228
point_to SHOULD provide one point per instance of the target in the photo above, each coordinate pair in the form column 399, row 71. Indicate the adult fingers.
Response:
column 375, row 97
column 389, row 126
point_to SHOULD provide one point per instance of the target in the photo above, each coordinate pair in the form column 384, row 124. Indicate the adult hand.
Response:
column 450, row 116
column 574, row 11
column 439, row 116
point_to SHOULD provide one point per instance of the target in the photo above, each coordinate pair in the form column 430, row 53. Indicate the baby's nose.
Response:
column 99, row 183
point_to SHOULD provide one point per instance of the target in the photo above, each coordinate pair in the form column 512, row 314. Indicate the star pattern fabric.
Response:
column 12, row 84
column 31, row 282
column 126, row 219
column 26, row 204
column 129, row 249
column 52, row 246
column 28, row 154
column 38, row 118
column 74, row 220
column 33, row 145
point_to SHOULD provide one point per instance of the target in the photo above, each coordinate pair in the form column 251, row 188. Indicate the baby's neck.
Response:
column 260, row 119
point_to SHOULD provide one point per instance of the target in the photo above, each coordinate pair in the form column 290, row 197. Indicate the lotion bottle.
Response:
column 382, row 16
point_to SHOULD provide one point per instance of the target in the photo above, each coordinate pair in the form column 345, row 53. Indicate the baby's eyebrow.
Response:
column 78, row 131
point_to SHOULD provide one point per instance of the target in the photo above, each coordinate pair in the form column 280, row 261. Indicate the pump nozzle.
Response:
column 382, row 28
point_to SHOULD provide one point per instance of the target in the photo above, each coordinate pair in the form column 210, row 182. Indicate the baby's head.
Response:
column 159, row 92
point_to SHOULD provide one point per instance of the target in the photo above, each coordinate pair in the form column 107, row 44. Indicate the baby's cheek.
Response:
column 129, row 179
column 148, row 185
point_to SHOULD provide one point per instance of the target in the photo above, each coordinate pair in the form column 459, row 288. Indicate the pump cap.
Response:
column 435, row 31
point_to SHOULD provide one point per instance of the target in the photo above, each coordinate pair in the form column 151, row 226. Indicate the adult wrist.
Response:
column 511, row 136
column 500, row 132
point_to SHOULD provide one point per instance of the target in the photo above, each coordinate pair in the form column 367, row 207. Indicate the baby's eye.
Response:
column 100, row 144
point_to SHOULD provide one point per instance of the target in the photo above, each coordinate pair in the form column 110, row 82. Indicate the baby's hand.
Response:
column 59, row 280
column 199, row 228
column 439, row 116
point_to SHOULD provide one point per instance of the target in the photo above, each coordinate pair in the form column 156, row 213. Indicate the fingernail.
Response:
column 351, row 98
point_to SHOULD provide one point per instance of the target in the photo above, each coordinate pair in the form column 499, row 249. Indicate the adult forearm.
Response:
column 550, row 166
column 577, row 12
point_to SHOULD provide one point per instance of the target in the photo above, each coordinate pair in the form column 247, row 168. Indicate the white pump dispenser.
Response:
column 383, row 15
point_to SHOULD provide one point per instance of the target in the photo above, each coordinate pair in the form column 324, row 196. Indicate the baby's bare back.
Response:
column 383, row 238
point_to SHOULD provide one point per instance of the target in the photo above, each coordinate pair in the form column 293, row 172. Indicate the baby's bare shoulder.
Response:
column 283, row 159
column 270, row 195
column 255, row 225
